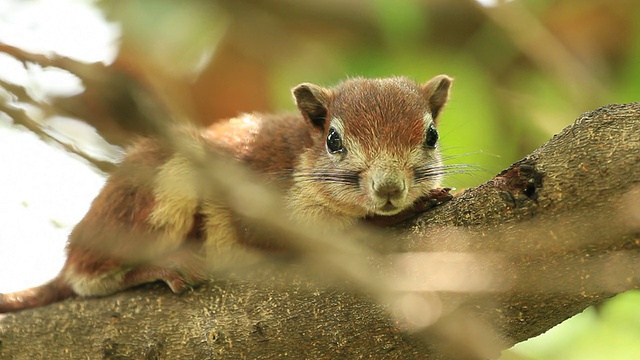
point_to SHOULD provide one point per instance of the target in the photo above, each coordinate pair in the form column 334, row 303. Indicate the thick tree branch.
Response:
column 553, row 234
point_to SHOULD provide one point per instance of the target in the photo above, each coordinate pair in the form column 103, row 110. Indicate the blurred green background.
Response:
column 523, row 71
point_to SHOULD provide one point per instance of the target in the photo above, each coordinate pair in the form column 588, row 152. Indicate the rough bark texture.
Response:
column 553, row 234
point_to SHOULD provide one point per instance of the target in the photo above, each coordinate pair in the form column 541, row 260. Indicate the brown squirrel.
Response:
column 367, row 147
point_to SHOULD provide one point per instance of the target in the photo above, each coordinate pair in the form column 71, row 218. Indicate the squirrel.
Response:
column 366, row 148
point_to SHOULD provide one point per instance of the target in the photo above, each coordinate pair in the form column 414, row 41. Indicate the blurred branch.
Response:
column 20, row 117
column 118, row 100
column 556, row 232
column 75, row 67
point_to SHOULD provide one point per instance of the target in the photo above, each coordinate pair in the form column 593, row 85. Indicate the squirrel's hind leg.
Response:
column 178, row 281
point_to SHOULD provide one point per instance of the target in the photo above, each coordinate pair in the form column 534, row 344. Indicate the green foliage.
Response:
column 609, row 332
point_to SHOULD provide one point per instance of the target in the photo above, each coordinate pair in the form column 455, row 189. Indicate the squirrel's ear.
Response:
column 436, row 91
column 312, row 102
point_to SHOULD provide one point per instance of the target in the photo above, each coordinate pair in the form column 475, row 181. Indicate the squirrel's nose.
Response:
column 389, row 189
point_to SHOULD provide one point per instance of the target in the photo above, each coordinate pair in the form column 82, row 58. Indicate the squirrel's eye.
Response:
column 432, row 136
column 334, row 141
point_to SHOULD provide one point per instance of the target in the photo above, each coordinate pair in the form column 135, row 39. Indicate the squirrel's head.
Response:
column 375, row 147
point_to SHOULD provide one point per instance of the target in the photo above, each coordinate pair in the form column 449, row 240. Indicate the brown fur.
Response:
column 152, row 221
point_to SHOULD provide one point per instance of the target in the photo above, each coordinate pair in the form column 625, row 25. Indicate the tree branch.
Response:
column 553, row 234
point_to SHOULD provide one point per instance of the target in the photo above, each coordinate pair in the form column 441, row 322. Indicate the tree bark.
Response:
column 555, row 233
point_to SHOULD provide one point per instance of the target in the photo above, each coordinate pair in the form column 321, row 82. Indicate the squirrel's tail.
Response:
column 54, row 290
